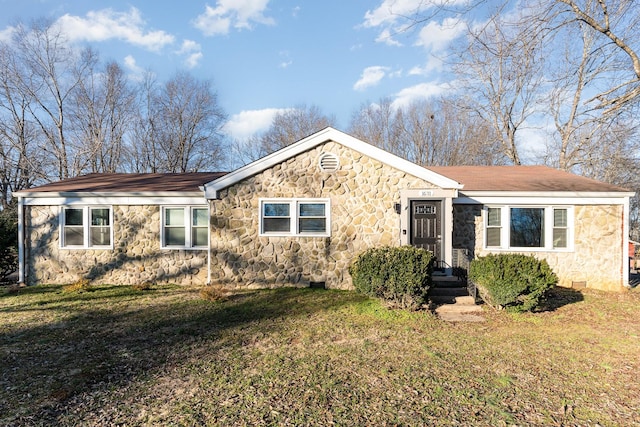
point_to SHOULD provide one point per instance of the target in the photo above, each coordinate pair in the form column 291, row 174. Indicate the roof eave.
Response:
column 546, row 194
column 38, row 194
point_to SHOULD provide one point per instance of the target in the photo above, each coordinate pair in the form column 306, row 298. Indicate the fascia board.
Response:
column 166, row 198
column 560, row 197
column 325, row 135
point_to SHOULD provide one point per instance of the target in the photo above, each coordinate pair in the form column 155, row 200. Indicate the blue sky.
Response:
column 264, row 55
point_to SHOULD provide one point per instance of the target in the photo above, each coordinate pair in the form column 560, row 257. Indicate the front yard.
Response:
column 115, row 355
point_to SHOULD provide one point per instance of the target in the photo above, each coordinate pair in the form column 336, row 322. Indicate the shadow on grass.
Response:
column 559, row 297
column 102, row 345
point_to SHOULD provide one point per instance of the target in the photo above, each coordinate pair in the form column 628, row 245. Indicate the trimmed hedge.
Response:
column 399, row 275
column 513, row 281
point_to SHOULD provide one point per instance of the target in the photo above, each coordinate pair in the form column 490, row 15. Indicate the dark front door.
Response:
column 426, row 225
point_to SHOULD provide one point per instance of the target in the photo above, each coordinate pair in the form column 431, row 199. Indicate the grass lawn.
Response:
column 115, row 355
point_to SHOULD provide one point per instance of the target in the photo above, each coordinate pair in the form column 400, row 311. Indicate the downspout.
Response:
column 209, row 246
column 21, row 248
column 203, row 188
column 625, row 243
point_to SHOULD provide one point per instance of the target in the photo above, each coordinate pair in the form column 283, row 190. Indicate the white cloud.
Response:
column 390, row 11
column 108, row 24
column 387, row 38
column 249, row 122
column 396, row 16
column 192, row 51
column 239, row 14
column 6, row 34
column 136, row 72
column 286, row 59
column 436, row 36
column 422, row 91
column 433, row 64
column 371, row 76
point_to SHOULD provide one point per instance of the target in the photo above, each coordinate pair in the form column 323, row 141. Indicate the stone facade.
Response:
column 136, row 256
column 592, row 262
column 362, row 192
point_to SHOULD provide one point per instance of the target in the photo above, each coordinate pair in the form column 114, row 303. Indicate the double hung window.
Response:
column 86, row 227
column 185, row 227
column 528, row 227
column 295, row 217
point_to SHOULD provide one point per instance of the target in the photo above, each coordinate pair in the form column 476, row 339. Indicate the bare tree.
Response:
column 434, row 133
column 178, row 128
column 51, row 71
column 292, row 125
column 378, row 124
column 102, row 106
column 501, row 70
column 19, row 162
column 143, row 148
column 617, row 24
column 245, row 151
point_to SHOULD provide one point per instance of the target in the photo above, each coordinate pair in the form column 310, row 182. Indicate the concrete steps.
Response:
column 452, row 301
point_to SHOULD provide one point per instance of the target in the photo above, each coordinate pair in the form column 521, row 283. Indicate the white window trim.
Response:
column 505, row 225
column 294, row 211
column 188, row 221
column 86, row 226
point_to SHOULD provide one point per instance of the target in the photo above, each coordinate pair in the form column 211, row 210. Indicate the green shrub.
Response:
column 399, row 275
column 513, row 281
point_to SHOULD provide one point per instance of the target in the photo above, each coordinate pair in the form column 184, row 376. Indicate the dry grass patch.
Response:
column 117, row 356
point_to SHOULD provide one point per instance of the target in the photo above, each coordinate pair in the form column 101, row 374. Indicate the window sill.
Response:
column 183, row 248
column 550, row 250
column 86, row 248
column 323, row 235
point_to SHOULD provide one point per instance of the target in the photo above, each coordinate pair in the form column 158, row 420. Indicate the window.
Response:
column 276, row 218
column 560, row 228
column 295, row 217
column 529, row 227
column 86, row 227
column 493, row 227
column 185, row 227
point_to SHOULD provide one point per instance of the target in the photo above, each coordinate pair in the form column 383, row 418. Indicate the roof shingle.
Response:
column 474, row 178
column 130, row 182
column 521, row 178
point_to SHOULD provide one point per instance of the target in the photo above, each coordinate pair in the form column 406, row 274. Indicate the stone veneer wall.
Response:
column 362, row 192
column 595, row 260
column 136, row 257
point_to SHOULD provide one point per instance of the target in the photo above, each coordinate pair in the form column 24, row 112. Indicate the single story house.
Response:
column 299, row 216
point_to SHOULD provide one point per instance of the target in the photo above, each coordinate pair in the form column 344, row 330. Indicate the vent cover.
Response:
column 328, row 162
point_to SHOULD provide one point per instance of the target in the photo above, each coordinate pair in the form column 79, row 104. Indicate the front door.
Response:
column 426, row 225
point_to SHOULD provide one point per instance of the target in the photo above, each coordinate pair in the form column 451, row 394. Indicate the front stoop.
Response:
column 453, row 303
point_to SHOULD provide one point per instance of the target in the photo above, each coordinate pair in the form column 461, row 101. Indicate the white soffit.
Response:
column 325, row 135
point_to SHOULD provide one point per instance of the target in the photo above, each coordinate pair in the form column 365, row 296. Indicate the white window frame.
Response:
column 505, row 228
column 294, row 216
column 187, row 211
column 86, row 227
